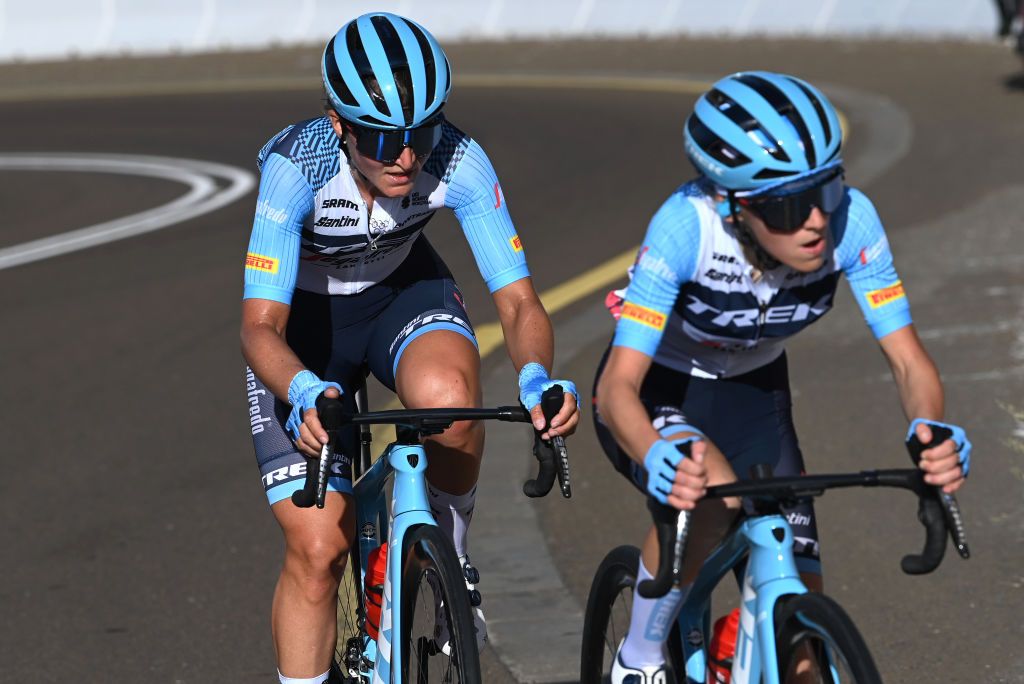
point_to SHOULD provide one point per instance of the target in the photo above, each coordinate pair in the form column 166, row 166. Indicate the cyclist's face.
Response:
column 385, row 180
column 804, row 249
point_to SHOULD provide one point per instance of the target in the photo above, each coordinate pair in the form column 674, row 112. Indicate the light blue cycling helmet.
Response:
column 757, row 130
column 384, row 71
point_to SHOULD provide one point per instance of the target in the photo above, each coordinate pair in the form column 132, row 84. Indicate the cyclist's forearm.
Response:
column 920, row 389
column 529, row 337
column 626, row 417
column 270, row 358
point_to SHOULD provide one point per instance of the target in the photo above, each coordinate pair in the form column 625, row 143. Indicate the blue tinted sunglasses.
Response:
column 386, row 146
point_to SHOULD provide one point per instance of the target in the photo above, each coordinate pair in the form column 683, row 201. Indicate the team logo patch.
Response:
column 517, row 244
column 643, row 316
column 877, row 298
column 259, row 262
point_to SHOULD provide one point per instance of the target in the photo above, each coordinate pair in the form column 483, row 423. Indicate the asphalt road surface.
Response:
column 137, row 542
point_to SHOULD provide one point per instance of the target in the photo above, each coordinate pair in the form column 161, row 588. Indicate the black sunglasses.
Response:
column 787, row 213
column 387, row 146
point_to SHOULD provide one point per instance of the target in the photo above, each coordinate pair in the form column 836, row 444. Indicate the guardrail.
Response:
column 61, row 29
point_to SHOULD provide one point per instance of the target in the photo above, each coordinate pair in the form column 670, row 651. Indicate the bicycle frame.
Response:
column 409, row 507
column 770, row 574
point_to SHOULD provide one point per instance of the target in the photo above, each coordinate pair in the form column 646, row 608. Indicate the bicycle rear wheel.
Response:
column 439, row 638
column 606, row 620
column 349, row 646
column 816, row 641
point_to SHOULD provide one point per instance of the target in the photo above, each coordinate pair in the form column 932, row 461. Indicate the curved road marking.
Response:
column 207, row 192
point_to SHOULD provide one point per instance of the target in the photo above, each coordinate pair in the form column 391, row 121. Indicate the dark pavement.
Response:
column 138, row 543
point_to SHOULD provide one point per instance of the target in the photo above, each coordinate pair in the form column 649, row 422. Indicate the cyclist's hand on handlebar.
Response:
column 533, row 380
column 946, row 464
column 303, row 423
column 674, row 479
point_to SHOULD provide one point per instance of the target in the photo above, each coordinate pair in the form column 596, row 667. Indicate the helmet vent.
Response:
column 338, row 84
column 822, row 117
column 428, row 63
column 785, row 107
column 745, row 120
column 714, row 146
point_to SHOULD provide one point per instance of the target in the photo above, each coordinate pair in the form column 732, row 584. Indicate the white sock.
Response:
column 453, row 513
column 650, row 624
column 319, row 679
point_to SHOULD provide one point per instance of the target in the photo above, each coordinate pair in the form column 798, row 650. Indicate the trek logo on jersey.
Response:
column 745, row 318
column 878, row 298
column 517, row 244
column 258, row 262
column 270, row 213
column 869, row 254
column 643, row 316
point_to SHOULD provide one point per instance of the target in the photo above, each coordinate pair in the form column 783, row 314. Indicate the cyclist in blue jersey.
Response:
column 339, row 278
column 733, row 264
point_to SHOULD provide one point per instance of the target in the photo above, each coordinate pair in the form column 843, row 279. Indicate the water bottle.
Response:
column 723, row 647
column 373, row 594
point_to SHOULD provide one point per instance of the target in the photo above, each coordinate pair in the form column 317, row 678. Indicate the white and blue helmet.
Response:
column 756, row 130
column 384, row 71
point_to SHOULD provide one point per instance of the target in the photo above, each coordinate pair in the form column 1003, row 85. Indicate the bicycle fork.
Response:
column 770, row 574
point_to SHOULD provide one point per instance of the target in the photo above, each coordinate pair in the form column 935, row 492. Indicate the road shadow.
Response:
column 1014, row 81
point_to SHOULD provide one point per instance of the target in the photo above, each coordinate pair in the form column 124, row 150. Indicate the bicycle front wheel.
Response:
column 816, row 641
column 606, row 620
column 439, row 639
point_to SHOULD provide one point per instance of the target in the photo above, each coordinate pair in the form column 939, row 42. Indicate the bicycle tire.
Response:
column 350, row 618
column 818, row 621
column 430, row 563
column 613, row 586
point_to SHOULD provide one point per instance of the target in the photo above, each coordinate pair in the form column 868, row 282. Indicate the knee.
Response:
column 447, row 388
column 316, row 565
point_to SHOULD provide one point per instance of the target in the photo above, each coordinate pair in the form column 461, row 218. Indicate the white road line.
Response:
column 204, row 195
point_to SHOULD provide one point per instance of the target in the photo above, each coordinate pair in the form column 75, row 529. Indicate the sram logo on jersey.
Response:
column 517, row 244
column 877, row 298
column 643, row 316
column 334, row 203
column 258, row 262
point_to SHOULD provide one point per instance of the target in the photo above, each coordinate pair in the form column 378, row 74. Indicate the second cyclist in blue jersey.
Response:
column 340, row 278
column 732, row 265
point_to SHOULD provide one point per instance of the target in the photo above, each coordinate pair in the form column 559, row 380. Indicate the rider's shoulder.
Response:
column 302, row 143
column 451, row 152
column 855, row 216
column 689, row 207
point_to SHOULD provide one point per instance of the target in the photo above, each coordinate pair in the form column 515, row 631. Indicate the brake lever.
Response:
column 948, row 502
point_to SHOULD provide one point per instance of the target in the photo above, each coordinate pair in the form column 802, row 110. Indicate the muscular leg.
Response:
column 441, row 369
column 304, row 613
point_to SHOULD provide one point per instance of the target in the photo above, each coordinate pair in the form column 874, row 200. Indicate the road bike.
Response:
column 782, row 626
column 425, row 601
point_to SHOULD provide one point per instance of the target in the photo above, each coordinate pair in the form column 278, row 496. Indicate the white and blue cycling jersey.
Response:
column 313, row 231
column 695, row 304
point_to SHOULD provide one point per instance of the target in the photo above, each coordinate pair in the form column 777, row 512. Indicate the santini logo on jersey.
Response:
column 343, row 222
column 270, row 213
column 258, row 262
column 878, row 298
column 643, row 316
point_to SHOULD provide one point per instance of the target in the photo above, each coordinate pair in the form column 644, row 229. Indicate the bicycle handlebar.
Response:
column 551, row 455
column 333, row 417
column 938, row 512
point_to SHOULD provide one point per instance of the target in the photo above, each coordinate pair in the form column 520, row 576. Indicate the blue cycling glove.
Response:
column 959, row 437
column 533, row 380
column 661, row 461
column 305, row 387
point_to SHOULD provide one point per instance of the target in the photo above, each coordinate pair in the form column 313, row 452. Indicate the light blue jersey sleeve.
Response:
column 866, row 259
column 667, row 259
column 272, row 262
column 474, row 193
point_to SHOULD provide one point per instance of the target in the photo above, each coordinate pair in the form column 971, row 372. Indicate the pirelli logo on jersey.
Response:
column 258, row 262
column 643, row 316
column 877, row 298
column 517, row 244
